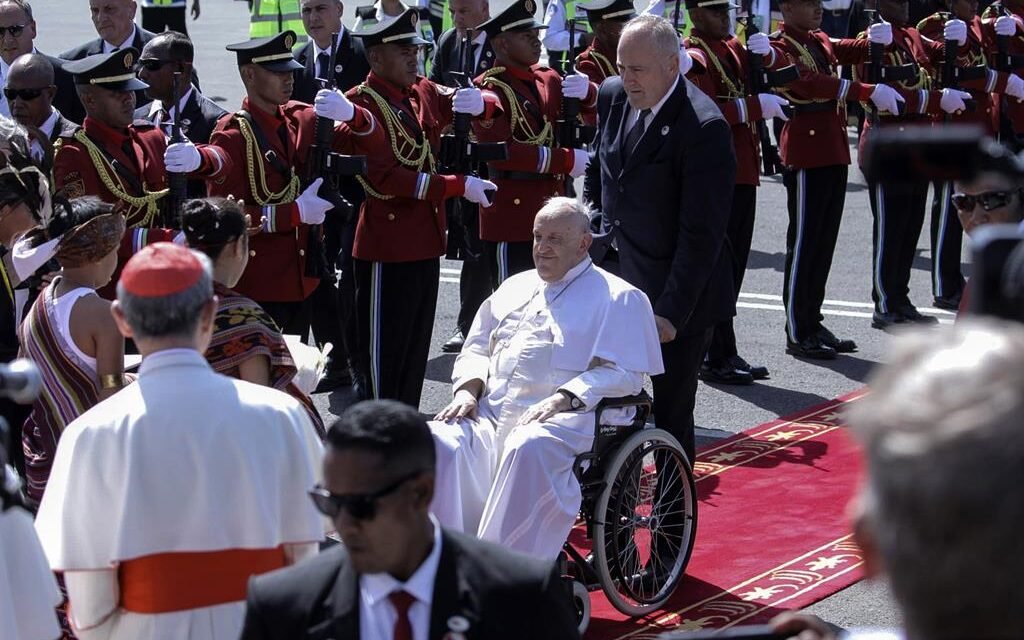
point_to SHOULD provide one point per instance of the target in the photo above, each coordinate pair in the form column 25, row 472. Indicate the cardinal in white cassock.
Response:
column 543, row 351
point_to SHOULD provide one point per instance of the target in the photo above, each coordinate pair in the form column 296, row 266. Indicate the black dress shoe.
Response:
column 810, row 347
column 335, row 375
column 884, row 321
column 723, row 372
column 454, row 344
column 949, row 303
column 757, row 372
column 911, row 314
column 841, row 345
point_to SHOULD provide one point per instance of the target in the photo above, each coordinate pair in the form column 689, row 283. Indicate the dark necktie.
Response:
column 322, row 62
column 634, row 135
column 401, row 601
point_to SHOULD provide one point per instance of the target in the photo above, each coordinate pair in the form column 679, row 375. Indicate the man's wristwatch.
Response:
column 575, row 404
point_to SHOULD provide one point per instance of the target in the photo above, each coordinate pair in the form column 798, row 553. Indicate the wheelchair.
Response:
column 640, row 510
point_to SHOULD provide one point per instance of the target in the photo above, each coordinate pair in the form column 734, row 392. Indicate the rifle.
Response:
column 460, row 154
column 325, row 163
column 676, row 18
column 570, row 132
column 177, row 183
column 952, row 74
column 762, row 81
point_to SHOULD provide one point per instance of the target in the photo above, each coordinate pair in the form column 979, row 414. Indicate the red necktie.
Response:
column 401, row 601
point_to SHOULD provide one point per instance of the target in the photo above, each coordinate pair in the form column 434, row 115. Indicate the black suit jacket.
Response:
column 351, row 57
column 668, row 207
column 503, row 595
column 66, row 100
column 446, row 58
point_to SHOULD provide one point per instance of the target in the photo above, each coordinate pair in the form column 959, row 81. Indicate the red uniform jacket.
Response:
column 922, row 101
column 277, row 254
column 720, row 70
column 986, row 114
column 130, row 163
column 1014, row 108
column 531, row 100
column 597, row 63
column 402, row 219
column 815, row 135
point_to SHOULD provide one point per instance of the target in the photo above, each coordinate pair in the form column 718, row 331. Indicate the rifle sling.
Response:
column 261, row 141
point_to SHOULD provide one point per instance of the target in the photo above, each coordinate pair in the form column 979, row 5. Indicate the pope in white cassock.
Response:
column 167, row 496
column 543, row 351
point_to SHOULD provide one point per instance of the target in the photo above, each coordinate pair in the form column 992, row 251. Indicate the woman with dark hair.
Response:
column 246, row 342
column 69, row 332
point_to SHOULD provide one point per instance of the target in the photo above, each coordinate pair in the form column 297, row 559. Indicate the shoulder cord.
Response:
column 148, row 201
column 734, row 89
column 606, row 65
column 420, row 156
column 519, row 121
column 255, row 162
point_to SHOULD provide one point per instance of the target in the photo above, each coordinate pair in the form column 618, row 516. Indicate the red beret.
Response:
column 161, row 269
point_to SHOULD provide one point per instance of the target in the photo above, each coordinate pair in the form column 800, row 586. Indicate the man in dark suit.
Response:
column 29, row 91
column 464, row 233
column 334, row 299
column 398, row 574
column 115, row 23
column 19, row 32
column 662, row 177
column 166, row 54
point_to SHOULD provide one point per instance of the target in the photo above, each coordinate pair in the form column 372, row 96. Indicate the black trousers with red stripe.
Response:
column 394, row 321
column 739, row 233
column 815, row 199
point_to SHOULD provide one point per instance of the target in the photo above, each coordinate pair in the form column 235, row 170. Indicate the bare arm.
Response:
column 255, row 369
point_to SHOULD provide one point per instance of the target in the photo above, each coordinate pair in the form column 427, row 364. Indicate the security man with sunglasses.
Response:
column 122, row 161
column 399, row 575
column 30, row 91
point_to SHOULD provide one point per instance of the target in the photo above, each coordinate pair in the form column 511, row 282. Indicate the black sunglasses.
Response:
column 15, row 30
column 359, row 506
column 989, row 200
column 154, row 64
column 24, row 94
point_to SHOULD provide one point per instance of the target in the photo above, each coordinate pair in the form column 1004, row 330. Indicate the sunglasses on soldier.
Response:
column 989, row 200
column 359, row 506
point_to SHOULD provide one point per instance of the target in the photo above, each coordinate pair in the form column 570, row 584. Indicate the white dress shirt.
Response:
column 107, row 47
column 5, row 107
column 634, row 114
column 377, row 616
column 156, row 106
column 47, row 128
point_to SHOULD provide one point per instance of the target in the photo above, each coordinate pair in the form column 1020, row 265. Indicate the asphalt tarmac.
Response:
column 721, row 410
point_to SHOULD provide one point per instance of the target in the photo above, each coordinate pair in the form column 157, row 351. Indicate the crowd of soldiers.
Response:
column 349, row 161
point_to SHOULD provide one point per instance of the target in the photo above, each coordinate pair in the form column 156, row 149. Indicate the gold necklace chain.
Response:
column 255, row 161
column 735, row 89
column 519, row 120
column 103, row 170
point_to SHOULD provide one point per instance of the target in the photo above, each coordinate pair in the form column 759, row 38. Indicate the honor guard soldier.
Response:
column 816, row 153
column 606, row 17
column 898, row 208
column 401, row 232
column 1005, row 40
column 972, row 60
column 531, row 99
column 271, row 137
column 122, row 162
column 721, row 69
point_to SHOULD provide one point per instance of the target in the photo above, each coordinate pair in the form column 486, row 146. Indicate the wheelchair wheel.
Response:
column 581, row 602
column 645, row 520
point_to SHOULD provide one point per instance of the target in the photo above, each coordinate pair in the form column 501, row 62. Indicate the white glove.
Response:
column 880, row 33
column 580, row 161
column 758, row 43
column 331, row 103
column 575, row 85
column 475, row 188
column 1005, row 26
column 182, row 157
column 955, row 30
column 886, row 99
column 179, row 239
column 953, row 101
column 312, row 208
column 469, row 101
column 1015, row 87
column 771, row 106
column 685, row 62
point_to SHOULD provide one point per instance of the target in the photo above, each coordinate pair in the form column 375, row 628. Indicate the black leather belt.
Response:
column 519, row 175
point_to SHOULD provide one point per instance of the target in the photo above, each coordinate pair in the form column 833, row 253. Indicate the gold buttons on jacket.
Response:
column 302, row 252
column 811, row 132
column 252, row 253
column 516, row 201
column 391, row 216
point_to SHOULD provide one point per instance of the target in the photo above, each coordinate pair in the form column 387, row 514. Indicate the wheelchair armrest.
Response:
column 641, row 401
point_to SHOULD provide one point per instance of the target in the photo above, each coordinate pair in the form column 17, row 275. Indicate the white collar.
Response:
column 657, row 106
column 480, row 37
column 107, row 47
column 50, row 123
column 316, row 48
column 156, row 105
column 378, row 586
column 572, row 273
column 171, row 358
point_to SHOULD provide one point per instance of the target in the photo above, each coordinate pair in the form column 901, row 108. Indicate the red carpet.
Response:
column 772, row 531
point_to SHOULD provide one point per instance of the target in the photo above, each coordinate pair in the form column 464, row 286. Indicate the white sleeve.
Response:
column 605, row 380
column 474, row 361
column 92, row 597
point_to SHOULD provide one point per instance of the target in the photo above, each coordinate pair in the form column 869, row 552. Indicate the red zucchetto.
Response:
column 161, row 269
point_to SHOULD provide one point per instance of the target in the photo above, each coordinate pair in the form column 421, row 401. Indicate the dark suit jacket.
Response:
column 668, row 207
column 62, row 128
column 503, row 595
column 446, row 58
column 66, row 101
column 351, row 57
